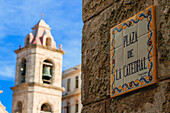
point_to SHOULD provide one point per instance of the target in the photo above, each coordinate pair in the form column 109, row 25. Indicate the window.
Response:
column 68, row 84
column 19, row 107
column 22, row 71
column 47, row 72
column 68, row 107
column 46, row 108
column 77, row 106
column 77, row 82
column 48, row 42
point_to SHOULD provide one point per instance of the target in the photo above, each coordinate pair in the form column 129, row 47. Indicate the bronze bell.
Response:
column 22, row 70
column 46, row 72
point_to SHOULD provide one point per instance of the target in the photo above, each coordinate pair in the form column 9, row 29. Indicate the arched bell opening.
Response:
column 46, row 108
column 27, row 41
column 22, row 71
column 48, row 42
column 18, row 107
column 47, row 74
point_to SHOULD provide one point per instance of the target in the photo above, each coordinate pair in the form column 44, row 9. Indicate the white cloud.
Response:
column 63, row 16
column 7, row 72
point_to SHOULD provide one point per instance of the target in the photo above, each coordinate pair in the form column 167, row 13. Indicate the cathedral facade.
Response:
column 38, row 73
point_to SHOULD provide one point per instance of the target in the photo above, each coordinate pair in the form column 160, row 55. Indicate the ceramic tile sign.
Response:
column 132, row 53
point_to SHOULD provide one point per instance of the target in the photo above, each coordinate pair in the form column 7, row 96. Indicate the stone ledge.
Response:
column 71, row 94
column 98, row 107
column 40, row 46
column 71, row 73
column 37, row 84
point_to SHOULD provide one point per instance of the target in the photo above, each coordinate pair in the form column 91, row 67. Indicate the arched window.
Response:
column 22, row 71
column 46, row 108
column 19, row 107
column 47, row 74
column 27, row 41
column 77, row 82
column 76, row 106
column 48, row 42
column 68, row 108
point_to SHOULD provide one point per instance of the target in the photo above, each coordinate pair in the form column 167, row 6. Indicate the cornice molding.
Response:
column 71, row 73
column 37, row 84
column 40, row 46
column 71, row 95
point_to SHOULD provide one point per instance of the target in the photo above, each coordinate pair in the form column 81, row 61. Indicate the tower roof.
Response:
column 41, row 23
column 41, row 35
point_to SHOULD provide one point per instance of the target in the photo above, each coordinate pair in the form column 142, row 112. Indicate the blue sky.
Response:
column 17, row 17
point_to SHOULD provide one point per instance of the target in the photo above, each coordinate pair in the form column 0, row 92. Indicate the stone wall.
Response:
column 99, row 16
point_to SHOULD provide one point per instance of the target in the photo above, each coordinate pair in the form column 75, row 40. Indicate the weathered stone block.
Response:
column 98, row 107
column 152, row 99
column 93, row 7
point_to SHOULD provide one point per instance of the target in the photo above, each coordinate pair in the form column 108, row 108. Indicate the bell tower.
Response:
column 38, row 73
